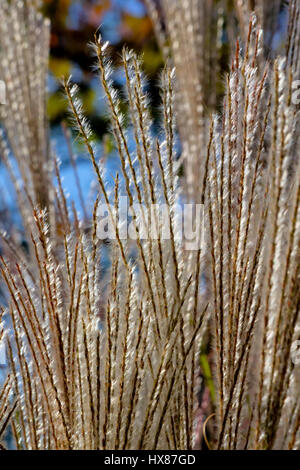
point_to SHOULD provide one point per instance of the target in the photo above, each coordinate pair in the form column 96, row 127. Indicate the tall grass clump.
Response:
column 161, row 347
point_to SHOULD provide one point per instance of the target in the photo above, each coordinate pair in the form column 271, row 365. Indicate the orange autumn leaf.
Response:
column 136, row 29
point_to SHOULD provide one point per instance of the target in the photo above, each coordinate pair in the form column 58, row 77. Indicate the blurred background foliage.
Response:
column 74, row 23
